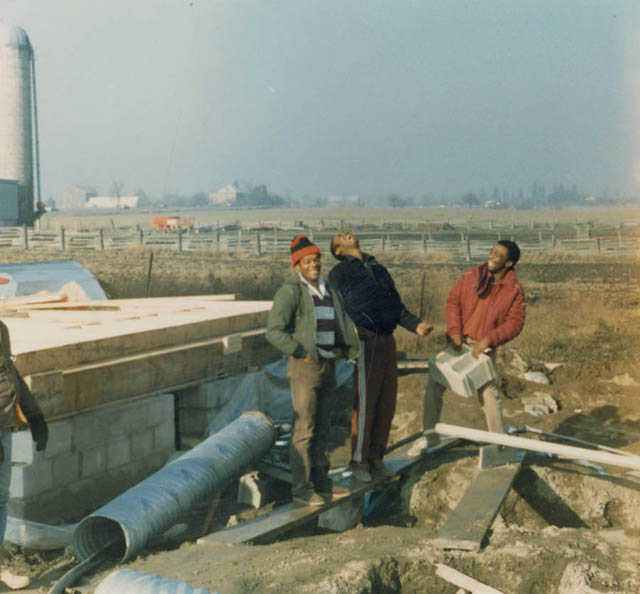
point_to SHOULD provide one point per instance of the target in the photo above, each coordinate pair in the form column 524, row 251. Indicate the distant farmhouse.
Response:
column 77, row 196
column 112, row 202
column 227, row 196
column 344, row 200
column 256, row 197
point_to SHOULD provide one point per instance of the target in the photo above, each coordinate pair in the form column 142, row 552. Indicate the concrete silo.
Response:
column 17, row 125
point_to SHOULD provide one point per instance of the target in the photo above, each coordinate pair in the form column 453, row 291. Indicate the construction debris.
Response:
column 559, row 450
column 463, row 581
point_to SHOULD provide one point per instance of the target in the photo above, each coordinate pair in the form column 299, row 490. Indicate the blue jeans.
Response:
column 5, row 478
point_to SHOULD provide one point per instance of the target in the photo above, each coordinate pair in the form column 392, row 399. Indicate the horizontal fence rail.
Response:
column 469, row 245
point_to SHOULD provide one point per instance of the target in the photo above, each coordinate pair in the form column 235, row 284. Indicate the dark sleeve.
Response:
column 337, row 276
column 407, row 319
column 28, row 402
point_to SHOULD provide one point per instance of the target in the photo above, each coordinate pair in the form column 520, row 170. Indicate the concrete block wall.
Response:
column 199, row 405
column 90, row 458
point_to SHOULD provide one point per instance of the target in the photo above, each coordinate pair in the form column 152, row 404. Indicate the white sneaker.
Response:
column 13, row 581
column 418, row 448
column 424, row 444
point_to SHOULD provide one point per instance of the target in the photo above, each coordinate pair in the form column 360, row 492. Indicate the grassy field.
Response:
column 352, row 217
column 581, row 307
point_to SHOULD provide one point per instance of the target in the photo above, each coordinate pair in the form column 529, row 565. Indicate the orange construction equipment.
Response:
column 172, row 223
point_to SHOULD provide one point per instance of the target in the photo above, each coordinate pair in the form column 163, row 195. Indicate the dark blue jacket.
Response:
column 370, row 296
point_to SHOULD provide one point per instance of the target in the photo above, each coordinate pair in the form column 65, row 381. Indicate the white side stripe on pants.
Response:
column 362, row 403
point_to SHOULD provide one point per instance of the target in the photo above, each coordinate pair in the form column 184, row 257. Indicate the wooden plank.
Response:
column 463, row 581
column 163, row 370
column 468, row 523
column 100, row 342
column 523, row 443
column 287, row 517
column 413, row 364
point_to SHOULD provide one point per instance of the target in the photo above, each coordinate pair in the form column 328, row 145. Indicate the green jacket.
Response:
column 13, row 388
column 291, row 325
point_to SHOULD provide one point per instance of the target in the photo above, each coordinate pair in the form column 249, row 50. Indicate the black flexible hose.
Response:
column 74, row 574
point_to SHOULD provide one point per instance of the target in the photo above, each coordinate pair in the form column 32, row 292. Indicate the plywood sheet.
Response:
column 44, row 343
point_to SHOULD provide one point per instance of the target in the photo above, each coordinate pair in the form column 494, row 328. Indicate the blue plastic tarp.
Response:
column 27, row 278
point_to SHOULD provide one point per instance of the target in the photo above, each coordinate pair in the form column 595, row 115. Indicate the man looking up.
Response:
column 373, row 303
column 307, row 322
column 484, row 309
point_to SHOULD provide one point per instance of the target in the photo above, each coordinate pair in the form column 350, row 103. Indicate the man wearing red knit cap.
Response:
column 308, row 324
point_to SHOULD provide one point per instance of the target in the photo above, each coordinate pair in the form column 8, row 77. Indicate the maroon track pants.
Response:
column 375, row 395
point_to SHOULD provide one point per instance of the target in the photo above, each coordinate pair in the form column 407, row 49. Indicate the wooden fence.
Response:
column 469, row 245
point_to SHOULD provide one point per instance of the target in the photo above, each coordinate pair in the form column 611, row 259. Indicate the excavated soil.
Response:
column 565, row 527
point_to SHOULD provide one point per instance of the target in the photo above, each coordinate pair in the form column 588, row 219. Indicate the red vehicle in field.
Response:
column 172, row 223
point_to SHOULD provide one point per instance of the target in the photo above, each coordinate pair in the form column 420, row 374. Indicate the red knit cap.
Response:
column 301, row 246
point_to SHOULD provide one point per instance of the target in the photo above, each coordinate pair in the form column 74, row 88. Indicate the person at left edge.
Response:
column 16, row 402
column 307, row 322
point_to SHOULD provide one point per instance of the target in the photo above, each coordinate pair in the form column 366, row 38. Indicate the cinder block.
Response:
column 65, row 469
column 192, row 422
column 115, row 423
column 160, row 409
column 86, row 432
column 24, row 449
column 118, row 452
column 93, row 461
column 164, row 437
column 29, row 480
column 131, row 417
column 60, row 438
column 209, row 395
column 141, row 445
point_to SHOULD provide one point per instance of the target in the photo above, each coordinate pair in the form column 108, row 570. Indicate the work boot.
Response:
column 430, row 440
column 309, row 498
column 379, row 470
column 328, row 489
column 361, row 472
column 13, row 581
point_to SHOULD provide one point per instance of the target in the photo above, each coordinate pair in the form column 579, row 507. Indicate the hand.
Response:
column 39, row 431
column 309, row 358
column 479, row 347
column 456, row 341
column 423, row 328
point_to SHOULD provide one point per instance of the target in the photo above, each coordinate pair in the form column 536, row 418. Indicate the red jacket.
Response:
column 505, row 313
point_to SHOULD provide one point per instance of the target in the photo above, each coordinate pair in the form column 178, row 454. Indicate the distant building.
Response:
column 77, row 196
column 112, row 202
column 226, row 196
column 343, row 200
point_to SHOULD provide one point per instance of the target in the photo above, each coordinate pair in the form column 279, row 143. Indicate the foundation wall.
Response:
column 90, row 458
column 115, row 382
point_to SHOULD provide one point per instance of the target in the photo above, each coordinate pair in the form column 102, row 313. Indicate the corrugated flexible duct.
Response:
column 152, row 506
column 128, row 581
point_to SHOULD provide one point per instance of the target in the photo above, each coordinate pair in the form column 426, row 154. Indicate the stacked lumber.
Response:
column 77, row 353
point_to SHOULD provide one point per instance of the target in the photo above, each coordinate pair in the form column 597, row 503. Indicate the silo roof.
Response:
column 13, row 35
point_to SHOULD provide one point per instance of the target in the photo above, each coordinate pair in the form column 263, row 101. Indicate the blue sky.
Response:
column 315, row 98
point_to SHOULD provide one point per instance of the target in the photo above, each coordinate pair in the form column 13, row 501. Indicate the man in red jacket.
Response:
column 484, row 309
